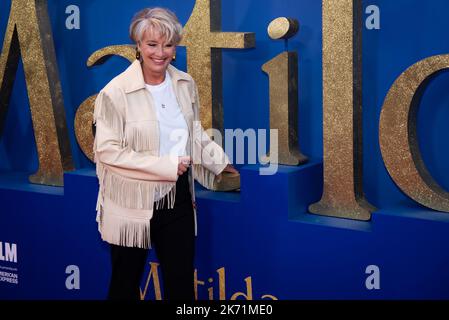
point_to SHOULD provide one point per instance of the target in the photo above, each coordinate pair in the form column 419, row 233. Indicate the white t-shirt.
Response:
column 173, row 130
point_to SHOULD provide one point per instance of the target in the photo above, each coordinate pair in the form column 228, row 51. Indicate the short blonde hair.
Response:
column 160, row 20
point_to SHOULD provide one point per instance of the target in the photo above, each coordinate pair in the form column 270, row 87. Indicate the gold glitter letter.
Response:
column 29, row 34
column 204, row 41
column 84, row 126
column 84, row 114
column 399, row 139
column 342, row 112
column 283, row 74
column 156, row 285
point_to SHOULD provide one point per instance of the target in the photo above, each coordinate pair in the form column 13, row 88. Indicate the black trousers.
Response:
column 173, row 238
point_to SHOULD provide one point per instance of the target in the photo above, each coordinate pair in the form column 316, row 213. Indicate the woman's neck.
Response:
column 153, row 78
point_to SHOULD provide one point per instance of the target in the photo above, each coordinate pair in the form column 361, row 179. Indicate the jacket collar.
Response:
column 135, row 80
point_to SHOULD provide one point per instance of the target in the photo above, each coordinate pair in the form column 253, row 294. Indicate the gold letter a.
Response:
column 29, row 35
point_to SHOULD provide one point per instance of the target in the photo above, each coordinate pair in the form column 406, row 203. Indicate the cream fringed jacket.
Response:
column 126, row 149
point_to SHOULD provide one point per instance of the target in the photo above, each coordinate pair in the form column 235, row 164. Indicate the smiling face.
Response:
column 156, row 55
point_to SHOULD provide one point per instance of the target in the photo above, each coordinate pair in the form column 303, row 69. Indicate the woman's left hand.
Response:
column 230, row 168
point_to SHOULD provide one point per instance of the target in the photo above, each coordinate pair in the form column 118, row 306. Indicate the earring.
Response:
column 174, row 57
column 137, row 54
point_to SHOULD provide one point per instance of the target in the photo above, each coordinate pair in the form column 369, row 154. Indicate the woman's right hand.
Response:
column 183, row 164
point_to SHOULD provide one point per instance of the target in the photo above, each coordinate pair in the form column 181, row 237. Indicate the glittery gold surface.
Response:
column 101, row 55
column 84, row 114
column 398, row 134
column 227, row 181
column 283, row 28
column 221, row 283
column 152, row 274
column 83, row 126
column 203, row 39
column 283, row 74
column 34, row 36
column 342, row 108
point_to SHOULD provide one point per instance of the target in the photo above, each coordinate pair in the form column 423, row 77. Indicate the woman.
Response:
column 148, row 150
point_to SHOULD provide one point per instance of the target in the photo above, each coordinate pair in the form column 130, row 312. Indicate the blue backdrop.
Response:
column 261, row 241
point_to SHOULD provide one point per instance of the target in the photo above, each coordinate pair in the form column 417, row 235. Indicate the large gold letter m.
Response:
column 29, row 35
